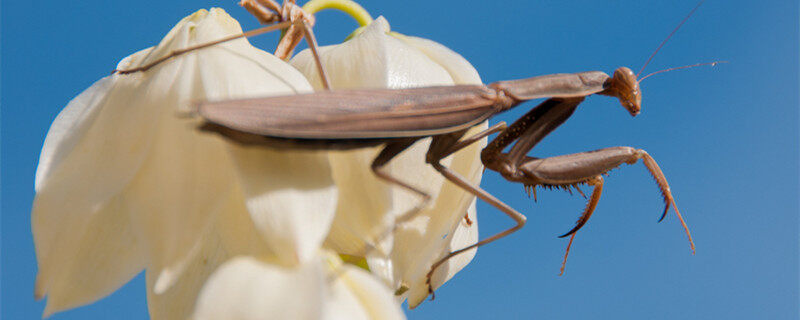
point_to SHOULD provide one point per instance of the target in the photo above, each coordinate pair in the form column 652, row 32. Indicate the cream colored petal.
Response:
column 373, row 59
column 178, row 300
column 372, row 204
column 74, row 121
column 80, row 221
column 249, row 288
column 85, row 170
column 234, row 69
column 360, row 194
column 466, row 234
column 381, row 265
column 459, row 68
column 415, row 252
column 340, row 303
column 78, row 177
column 81, row 170
column 187, row 170
column 232, row 234
column 69, row 127
column 246, row 288
column 177, row 192
column 357, row 294
column 291, row 198
column 94, row 263
column 118, row 150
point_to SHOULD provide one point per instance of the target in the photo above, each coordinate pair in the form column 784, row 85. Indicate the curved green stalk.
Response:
column 350, row 7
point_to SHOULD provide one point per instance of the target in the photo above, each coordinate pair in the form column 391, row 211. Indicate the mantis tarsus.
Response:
column 348, row 119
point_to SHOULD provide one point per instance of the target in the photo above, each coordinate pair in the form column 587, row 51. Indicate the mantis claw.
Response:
column 597, row 182
column 664, row 214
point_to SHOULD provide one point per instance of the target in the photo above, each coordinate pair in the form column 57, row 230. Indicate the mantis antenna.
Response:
column 682, row 67
column 669, row 36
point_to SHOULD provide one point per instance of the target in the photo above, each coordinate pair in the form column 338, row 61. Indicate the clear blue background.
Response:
column 727, row 138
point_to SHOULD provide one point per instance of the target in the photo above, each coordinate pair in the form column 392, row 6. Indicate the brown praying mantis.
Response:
column 397, row 118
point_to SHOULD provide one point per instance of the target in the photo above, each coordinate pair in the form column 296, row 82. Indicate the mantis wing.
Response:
column 352, row 114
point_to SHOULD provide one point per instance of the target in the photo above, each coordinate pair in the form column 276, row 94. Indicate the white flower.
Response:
column 368, row 206
column 247, row 288
column 123, row 183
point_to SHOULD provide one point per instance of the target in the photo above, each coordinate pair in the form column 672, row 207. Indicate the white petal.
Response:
column 466, row 234
column 290, row 196
column 373, row 204
column 69, row 126
column 356, row 294
column 92, row 264
column 231, row 234
column 231, row 70
column 373, row 59
column 74, row 121
column 177, row 192
column 414, row 252
column 459, row 68
column 362, row 199
column 246, row 288
column 189, row 168
column 80, row 180
column 118, row 150
column 381, row 265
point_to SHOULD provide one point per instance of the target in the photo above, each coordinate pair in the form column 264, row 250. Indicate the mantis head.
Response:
column 625, row 87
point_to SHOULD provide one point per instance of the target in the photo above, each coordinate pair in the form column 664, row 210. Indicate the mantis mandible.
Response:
column 397, row 118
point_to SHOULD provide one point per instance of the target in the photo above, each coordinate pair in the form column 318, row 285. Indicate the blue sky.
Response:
column 726, row 137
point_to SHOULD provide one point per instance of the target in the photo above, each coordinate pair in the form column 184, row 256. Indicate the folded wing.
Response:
column 365, row 113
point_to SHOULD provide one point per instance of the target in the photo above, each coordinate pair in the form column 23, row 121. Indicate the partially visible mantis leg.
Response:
column 434, row 159
column 312, row 44
column 205, row 45
column 391, row 150
column 461, row 144
column 470, row 140
column 266, row 11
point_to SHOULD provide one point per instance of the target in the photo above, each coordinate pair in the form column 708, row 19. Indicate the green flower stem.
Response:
column 350, row 7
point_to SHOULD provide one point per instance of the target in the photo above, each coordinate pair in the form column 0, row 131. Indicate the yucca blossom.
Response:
column 127, row 182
